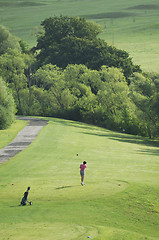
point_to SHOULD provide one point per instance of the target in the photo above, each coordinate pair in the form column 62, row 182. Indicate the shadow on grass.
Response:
column 116, row 136
column 16, row 206
column 150, row 152
column 71, row 123
column 136, row 140
column 62, row 187
column 113, row 15
column 131, row 139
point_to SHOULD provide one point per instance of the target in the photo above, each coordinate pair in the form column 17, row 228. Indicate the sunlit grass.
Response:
column 119, row 200
column 7, row 135
column 129, row 25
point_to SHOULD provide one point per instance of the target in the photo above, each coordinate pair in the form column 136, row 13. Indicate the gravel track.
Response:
column 24, row 138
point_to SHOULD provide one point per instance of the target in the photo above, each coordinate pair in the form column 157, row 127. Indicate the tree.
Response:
column 67, row 92
column 24, row 46
column 81, row 74
column 144, row 91
column 49, row 77
column 115, row 109
column 73, row 40
column 7, row 41
column 7, row 106
column 15, row 68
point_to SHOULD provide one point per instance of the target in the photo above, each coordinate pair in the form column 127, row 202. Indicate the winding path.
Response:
column 23, row 139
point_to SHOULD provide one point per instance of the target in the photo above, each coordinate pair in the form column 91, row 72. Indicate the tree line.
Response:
column 71, row 73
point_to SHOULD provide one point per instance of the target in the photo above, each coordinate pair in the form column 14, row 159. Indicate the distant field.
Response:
column 118, row 202
column 129, row 25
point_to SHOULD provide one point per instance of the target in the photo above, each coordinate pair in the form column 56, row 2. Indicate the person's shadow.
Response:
column 16, row 206
column 62, row 187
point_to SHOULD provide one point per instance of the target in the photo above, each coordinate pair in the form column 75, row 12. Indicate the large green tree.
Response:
column 144, row 91
column 115, row 109
column 66, row 92
column 16, row 69
column 7, row 41
column 73, row 40
column 50, row 79
column 7, row 106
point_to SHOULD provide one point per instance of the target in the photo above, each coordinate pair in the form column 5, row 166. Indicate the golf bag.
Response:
column 25, row 198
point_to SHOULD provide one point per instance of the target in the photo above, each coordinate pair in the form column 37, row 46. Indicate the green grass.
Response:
column 7, row 135
column 118, row 202
column 129, row 25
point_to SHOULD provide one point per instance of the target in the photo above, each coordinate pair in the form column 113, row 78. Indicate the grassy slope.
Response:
column 62, row 208
column 137, row 32
column 7, row 135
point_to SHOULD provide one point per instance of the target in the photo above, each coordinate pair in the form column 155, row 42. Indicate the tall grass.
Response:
column 129, row 25
column 119, row 200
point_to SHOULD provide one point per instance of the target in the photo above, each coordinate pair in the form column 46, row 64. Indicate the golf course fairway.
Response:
column 120, row 200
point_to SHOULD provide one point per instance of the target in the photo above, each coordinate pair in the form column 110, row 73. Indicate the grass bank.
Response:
column 7, row 135
column 119, row 200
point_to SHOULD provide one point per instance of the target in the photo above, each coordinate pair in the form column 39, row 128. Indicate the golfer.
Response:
column 82, row 171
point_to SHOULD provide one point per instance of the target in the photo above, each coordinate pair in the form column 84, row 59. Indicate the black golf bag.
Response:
column 25, row 198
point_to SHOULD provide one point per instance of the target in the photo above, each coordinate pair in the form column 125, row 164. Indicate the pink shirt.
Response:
column 82, row 167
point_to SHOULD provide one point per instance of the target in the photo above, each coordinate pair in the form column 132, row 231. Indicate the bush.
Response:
column 7, row 106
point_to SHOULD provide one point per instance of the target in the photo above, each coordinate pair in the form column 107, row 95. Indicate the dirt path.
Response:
column 23, row 139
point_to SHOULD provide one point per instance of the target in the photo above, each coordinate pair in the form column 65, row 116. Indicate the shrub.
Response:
column 7, row 106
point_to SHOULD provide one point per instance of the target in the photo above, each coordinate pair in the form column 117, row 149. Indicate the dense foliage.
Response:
column 105, row 96
column 71, row 40
column 7, row 106
column 7, row 40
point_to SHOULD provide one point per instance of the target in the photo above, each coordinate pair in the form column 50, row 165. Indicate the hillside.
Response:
column 119, row 200
column 129, row 25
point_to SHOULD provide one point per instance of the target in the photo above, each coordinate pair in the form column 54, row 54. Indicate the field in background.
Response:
column 129, row 25
column 119, row 200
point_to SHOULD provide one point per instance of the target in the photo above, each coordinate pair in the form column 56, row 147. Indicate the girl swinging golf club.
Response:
column 82, row 172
